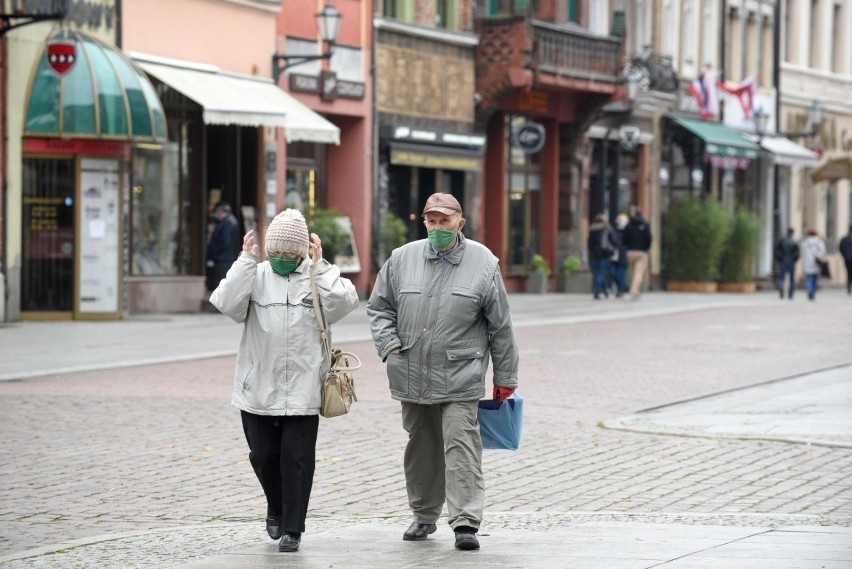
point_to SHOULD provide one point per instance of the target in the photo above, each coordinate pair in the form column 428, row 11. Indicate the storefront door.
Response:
column 47, row 275
column 71, row 238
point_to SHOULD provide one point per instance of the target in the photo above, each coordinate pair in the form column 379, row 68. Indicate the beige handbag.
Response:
column 338, row 385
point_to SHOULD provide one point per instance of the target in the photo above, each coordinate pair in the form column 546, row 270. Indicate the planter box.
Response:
column 691, row 286
column 577, row 283
column 737, row 287
column 537, row 283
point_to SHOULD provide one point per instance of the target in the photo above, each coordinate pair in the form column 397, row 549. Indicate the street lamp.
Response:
column 328, row 24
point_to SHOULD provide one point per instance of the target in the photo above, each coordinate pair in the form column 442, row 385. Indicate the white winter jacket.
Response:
column 280, row 361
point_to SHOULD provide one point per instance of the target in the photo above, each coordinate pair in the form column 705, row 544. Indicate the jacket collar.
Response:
column 454, row 256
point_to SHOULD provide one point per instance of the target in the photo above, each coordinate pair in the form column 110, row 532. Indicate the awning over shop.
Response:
column 720, row 140
column 85, row 88
column 834, row 169
column 232, row 99
column 443, row 157
column 788, row 153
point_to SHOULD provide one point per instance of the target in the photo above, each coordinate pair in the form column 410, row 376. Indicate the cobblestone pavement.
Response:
column 148, row 448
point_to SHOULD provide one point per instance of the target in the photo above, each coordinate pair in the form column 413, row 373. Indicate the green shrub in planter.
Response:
column 540, row 265
column 324, row 223
column 695, row 234
column 571, row 265
column 740, row 249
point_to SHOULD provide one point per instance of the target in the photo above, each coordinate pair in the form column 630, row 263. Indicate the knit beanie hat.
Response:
column 288, row 233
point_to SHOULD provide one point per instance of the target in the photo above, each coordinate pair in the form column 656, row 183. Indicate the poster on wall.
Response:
column 98, row 222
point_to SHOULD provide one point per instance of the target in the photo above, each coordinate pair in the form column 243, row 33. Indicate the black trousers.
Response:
column 283, row 455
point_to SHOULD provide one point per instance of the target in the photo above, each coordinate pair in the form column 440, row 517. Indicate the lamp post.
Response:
column 631, row 91
column 328, row 24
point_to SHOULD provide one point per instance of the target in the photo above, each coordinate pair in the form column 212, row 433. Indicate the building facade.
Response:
column 76, row 109
column 427, row 137
column 340, row 88
column 229, row 126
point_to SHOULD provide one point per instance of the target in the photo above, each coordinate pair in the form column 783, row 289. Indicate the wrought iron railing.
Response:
column 567, row 50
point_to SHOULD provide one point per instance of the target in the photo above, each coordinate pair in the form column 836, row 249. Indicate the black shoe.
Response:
column 274, row 527
column 289, row 542
column 466, row 538
column 418, row 531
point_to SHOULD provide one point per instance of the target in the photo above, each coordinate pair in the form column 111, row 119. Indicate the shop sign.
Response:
column 628, row 136
column 81, row 12
column 327, row 85
column 529, row 137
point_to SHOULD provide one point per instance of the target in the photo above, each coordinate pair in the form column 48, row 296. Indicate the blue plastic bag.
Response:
column 500, row 424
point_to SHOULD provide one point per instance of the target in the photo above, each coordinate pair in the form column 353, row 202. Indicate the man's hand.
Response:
column 501, row 393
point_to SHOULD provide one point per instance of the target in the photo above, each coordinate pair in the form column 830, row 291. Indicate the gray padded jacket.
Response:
column 446, row 316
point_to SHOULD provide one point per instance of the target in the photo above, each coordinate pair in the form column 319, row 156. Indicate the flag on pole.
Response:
column 703, row 88
column 744, row 93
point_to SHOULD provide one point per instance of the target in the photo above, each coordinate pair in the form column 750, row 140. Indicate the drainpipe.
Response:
column 3, row 180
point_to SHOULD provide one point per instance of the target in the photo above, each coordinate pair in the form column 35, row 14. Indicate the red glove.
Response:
column 501, row 393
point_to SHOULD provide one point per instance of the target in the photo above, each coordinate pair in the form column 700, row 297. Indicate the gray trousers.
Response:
column 443, row 461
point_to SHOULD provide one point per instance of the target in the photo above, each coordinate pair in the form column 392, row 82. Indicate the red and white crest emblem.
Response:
column 61, row 56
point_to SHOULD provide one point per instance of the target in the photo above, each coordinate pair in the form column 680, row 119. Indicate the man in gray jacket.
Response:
column 438, row 309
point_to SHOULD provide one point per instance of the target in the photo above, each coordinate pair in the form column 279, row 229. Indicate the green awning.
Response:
column 102, row 95
column 720, row 140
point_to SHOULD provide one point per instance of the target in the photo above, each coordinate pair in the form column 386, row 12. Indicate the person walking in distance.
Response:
column 618, row 265
column 224, row 242
column 637, row 241
column 601, row 248
column 438, row 309
column 786, row 254
column 813, row 251
column 280, row 362
column 845, row 248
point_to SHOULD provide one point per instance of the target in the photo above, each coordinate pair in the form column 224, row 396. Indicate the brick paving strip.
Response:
column 100, row 457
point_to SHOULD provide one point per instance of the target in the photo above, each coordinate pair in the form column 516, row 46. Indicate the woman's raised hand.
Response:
column 249, row 246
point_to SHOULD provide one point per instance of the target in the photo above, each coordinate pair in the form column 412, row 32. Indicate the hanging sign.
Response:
column 61, row 54
column 529, row 137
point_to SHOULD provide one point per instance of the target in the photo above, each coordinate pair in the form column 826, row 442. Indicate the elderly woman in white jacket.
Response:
column 813, row 249
column 280, row 362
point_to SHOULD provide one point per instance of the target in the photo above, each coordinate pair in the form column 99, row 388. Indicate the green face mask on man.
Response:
column 441, row 238
column 283, row 265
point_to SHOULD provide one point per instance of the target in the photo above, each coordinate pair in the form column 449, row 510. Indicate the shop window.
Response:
column 156, row 208
column 47, row 268
column 523, row 183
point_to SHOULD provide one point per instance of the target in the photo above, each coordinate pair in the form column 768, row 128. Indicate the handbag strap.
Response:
column 318, row 313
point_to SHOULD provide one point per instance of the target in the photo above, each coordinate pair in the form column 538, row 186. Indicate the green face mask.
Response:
column 282, row 265
column 441, row 238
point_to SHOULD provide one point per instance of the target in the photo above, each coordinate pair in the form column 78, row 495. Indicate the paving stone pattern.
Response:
column 146, row 448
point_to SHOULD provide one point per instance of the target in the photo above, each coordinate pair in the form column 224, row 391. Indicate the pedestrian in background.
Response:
column 224, row 242
column 280, row 362
column 438, row 309
column 786, row 255
column 601, row 248
column 618, row 264
column 813, row 251
column 845, row 248
column 637, row 240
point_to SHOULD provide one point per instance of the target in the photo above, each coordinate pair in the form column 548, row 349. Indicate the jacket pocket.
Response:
column 397, row 367
column 465, row 370
column 244, row 375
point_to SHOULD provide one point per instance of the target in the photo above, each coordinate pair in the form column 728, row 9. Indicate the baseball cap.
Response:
column 444, row 203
